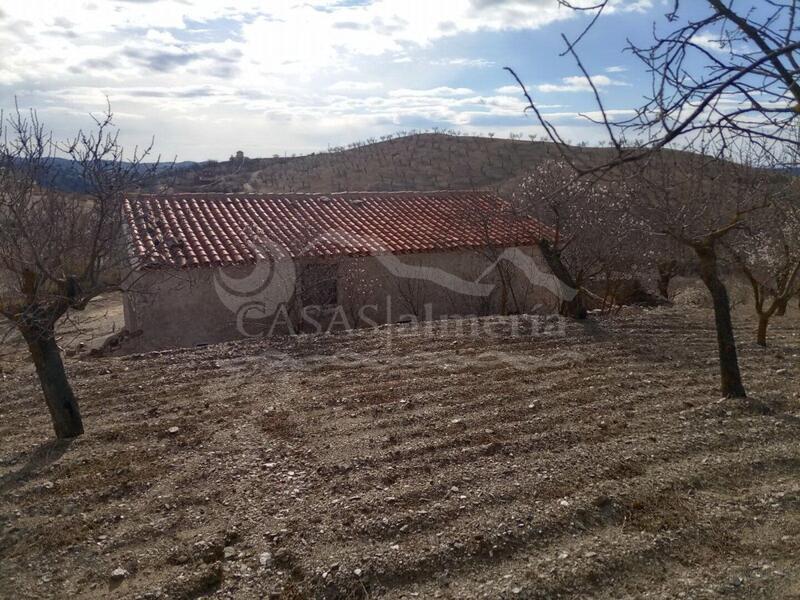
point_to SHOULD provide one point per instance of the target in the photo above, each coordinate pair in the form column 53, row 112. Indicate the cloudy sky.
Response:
column 209, row 77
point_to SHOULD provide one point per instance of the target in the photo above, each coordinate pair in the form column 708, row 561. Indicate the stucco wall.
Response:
column 174, row 308
column 438, row 285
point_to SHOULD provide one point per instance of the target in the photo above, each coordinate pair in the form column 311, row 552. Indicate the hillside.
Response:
column 64, row 173
column 424, row 161
column 415, row 162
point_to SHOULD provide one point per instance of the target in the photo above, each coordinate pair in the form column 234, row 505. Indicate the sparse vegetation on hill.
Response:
column 423, row 161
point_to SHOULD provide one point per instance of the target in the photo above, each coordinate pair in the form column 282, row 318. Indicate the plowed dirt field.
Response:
column 455, row 462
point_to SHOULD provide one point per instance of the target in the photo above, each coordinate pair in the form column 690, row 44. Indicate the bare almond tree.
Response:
column 671, row 260
column 767, row 252
column 60, row 250
column 595, row 237
column 700, row 201
column 722, row 79
column 729, row 74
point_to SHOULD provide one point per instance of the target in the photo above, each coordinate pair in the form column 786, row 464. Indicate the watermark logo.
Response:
column 260, row 292
column 524, row 263
column 270, row 291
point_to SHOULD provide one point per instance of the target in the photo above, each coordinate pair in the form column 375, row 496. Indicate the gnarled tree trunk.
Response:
column 568, row 308
column 778, row 306
column 666, row 271
column 731, row 378
column 57, row 391
column 761, row 336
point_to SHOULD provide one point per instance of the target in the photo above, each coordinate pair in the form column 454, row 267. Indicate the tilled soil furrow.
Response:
column 501, row 541
column 457, row 442
column 441, row 506
column 494, row 411
column 597, row 463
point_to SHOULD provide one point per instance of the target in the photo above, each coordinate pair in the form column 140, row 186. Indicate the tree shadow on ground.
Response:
column 596, row 329
column 44, row 454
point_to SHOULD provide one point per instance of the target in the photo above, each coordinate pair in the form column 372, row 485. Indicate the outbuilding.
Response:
column 215, row 267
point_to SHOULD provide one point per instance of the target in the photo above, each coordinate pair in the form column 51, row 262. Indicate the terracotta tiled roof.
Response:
column 194, row 230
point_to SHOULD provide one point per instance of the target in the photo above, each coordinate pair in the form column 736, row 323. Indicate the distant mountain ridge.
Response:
column 424, row 161
column 65, row 174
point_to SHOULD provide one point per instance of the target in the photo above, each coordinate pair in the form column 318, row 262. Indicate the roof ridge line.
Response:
column 306, row 194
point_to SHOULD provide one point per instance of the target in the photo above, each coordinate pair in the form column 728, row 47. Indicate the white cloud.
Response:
column 590, row 115
column 516, row 92
column 260, row 70
column 279, row 37
column 710, row 42
column 579, row 83
column 439, row 92
column 509, row 90
column 476, row 63
column 161, row 36
column 616, row 69
column 355, row 86
column 637, row 6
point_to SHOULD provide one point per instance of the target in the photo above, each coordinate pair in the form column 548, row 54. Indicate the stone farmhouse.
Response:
column 215, row 267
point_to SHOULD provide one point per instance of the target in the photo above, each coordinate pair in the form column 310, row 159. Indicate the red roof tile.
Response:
column 194, row 230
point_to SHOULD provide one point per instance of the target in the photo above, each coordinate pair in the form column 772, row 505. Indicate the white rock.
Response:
column 265, row 558
column 119, row 574
column 174, row 430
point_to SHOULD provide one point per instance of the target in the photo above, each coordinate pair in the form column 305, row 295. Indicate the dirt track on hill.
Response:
column 401, row 464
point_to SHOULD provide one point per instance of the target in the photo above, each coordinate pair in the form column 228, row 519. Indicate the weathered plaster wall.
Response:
column 413, row 287
column 174, row 308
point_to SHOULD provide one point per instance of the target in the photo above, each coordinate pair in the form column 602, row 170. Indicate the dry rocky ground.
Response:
column 398, row 463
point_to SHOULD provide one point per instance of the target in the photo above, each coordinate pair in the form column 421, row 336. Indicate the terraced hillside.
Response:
column 414, row 162
column 415, row 464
